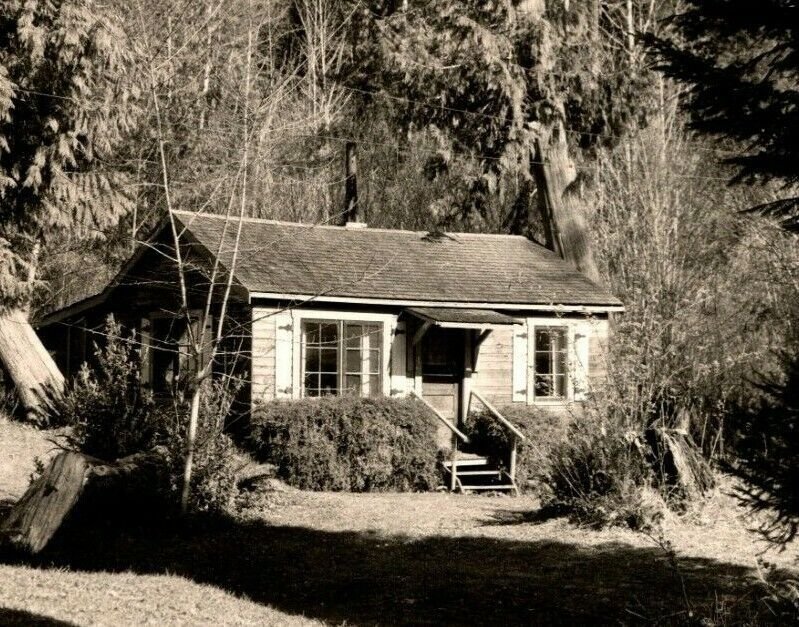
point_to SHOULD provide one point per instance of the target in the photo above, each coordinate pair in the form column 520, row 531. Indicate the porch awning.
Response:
column 457, row 318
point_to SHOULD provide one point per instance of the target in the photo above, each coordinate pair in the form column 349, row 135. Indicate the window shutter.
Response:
column 284, row 354
column 399, row 383
column 520, row 362
column 145, row 354
column 579, row 361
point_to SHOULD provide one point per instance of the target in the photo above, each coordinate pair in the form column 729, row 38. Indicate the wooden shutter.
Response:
column 399, row 383
column 579, row 360
column 284, row 354
column 520, row 362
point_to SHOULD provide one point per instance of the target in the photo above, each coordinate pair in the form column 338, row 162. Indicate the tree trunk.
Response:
column 565, row 230
column 191, row 437
column 36, row 517
column 29, row 365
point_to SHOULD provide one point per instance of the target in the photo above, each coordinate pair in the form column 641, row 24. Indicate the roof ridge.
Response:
column 336, row 227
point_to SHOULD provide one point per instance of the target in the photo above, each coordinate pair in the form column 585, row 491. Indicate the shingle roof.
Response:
column 296, row 259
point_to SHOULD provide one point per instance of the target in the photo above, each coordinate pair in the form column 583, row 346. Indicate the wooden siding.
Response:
column 263, row 353
column 493, row 376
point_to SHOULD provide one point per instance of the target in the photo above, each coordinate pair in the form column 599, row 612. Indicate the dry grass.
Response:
column 389, row 559
column 125, row 599
column 718, row 530
column 19, row 445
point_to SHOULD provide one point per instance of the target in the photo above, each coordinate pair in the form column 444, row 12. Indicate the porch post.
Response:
column 466, row 379
column 466, row 396
column 513, row 457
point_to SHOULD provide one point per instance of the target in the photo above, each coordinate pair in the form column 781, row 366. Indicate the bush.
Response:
column 599, row 475
column 112, row 416
column 543, row 430
column 348, row 443
column 213, row 481
column 110, row 413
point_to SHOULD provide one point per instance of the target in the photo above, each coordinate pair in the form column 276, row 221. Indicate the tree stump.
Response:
column 37, row 516
column 680, row 462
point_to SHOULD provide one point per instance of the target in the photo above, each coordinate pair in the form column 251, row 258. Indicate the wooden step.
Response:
column 496, row 488
column 467, row 461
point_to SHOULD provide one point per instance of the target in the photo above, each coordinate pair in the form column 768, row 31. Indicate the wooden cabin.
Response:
column 317, row 310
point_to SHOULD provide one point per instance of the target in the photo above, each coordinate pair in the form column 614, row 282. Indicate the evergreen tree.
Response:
column 67, row 101
column 741, row 63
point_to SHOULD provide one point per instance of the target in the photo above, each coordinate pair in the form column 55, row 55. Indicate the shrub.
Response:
column 110, row 413
column 600, row 476
column 112, row 416
column 213, row 481
column 543, row 430
column 348, row 443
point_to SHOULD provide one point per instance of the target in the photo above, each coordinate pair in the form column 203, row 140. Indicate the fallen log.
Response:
column 30, row 367
column 36, row 517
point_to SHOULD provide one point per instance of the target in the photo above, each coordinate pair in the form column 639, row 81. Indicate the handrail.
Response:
column 509, row 425
column 464, row 438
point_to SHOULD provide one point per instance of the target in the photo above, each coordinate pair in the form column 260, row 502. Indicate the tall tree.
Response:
column 66, row 103
column 513, row 87
column 742, row 69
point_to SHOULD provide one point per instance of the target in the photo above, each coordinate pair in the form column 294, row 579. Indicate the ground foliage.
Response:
column 110, row 413
column 600, row 475
column 348, row 443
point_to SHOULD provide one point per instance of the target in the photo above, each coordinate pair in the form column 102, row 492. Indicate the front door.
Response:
column 442, row 372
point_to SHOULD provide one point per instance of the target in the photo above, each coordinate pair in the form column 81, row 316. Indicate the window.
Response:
column 168, row 355
column 342, row 357
column 165, row 335
column 550, row 350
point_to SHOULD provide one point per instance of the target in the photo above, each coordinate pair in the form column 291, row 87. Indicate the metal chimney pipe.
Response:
column 351, row 212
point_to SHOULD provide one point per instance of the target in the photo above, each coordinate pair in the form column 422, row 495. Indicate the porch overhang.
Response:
column 458, row 318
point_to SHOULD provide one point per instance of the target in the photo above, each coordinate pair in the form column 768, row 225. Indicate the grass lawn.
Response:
column 19, row 446
column 388, row 559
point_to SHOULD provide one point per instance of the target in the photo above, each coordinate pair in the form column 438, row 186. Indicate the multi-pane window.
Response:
column 549, row 377
column 341, row 357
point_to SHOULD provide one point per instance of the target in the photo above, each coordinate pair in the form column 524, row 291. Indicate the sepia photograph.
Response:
column 399, row 312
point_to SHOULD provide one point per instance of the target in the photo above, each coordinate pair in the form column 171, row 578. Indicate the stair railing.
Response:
column 515, row 434
column 459, row 435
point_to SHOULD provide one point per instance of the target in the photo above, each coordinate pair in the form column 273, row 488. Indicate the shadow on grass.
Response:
column 506, row 518
column 21, row 617
column 369, row 578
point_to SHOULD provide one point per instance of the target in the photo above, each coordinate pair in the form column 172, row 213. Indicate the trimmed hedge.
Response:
column 348, row 443
column 544, row 431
